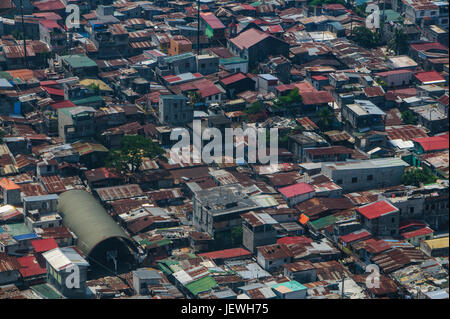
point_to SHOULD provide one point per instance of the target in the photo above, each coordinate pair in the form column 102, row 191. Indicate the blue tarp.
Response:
column 17, row 108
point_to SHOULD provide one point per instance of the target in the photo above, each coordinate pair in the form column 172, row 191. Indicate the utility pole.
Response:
column 198, row 27
column 382, row 18
column 23, row 34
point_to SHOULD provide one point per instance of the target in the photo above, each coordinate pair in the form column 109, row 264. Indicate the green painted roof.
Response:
column 46, row 291
column 201, row 285
column 292, row 285
column 165, row 265
column 5, row 75
column 78, row 61
column 391, row 15
column 177, row 57
column 159, row 243
column 322, row 222
column 232, row 60
column 16, row 229
column 87, row 218
column 87, row 100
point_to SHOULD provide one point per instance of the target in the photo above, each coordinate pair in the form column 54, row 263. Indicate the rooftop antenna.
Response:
column 23, row 34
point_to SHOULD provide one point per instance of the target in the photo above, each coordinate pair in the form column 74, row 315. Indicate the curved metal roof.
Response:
column 87, row 218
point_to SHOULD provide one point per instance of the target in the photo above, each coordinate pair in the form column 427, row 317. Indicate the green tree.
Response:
column 289, row 101
column 195, row 97
column 365, row 37
column 236, row 235
column 18, row 35
column 128, row 158
column 325, row 118
column 94, row 87
column 409, row 117
column 313, row 3
column 399, row 42
column 283, row 141
column 417, row 175
column 361, row 10
column 254, row 108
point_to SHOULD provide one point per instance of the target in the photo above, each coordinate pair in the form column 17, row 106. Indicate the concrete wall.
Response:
column 366, row 178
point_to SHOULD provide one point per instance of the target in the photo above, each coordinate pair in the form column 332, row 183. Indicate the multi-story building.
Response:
column 62, row 263
column 255, row 46
column 380, row 218
column 363, row 116
column 258, row 230
column 174, row 110
column 76, row 123
column 179, row 44
column 52, row 34
column 218, row 209
column 366, row 174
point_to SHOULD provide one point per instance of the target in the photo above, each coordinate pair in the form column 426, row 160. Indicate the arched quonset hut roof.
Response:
column 87, row 218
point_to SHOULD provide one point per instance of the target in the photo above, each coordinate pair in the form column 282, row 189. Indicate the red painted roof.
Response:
column 212, row 20
column 319, row 78
column 305, row 87
column 205, row 87
column 62, row 104
column 275, row 28
column 393, row 72
column 247, row 6
column 249, row 38
column 319, row 97
column 444, row 99
column 377, row 209
column 233, row 78
column 53, row 91
column 428, row 46
column 435, row 143
column 50, row 24
column 417, row 232
column 8, row 184
column 431, row 76
column 284, row 87
column 377, row 246
column 357, row 235
column 47, row 15
column 226, row 253
column 30, row 267
column 334, row 6
column 48, row 83
column 409, row 223
column 50, row 5
column 294, row 240
column 43, row 245
column 296, row 189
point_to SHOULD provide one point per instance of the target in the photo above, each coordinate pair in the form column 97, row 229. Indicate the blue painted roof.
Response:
column 40, row 197
column 26, row 236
